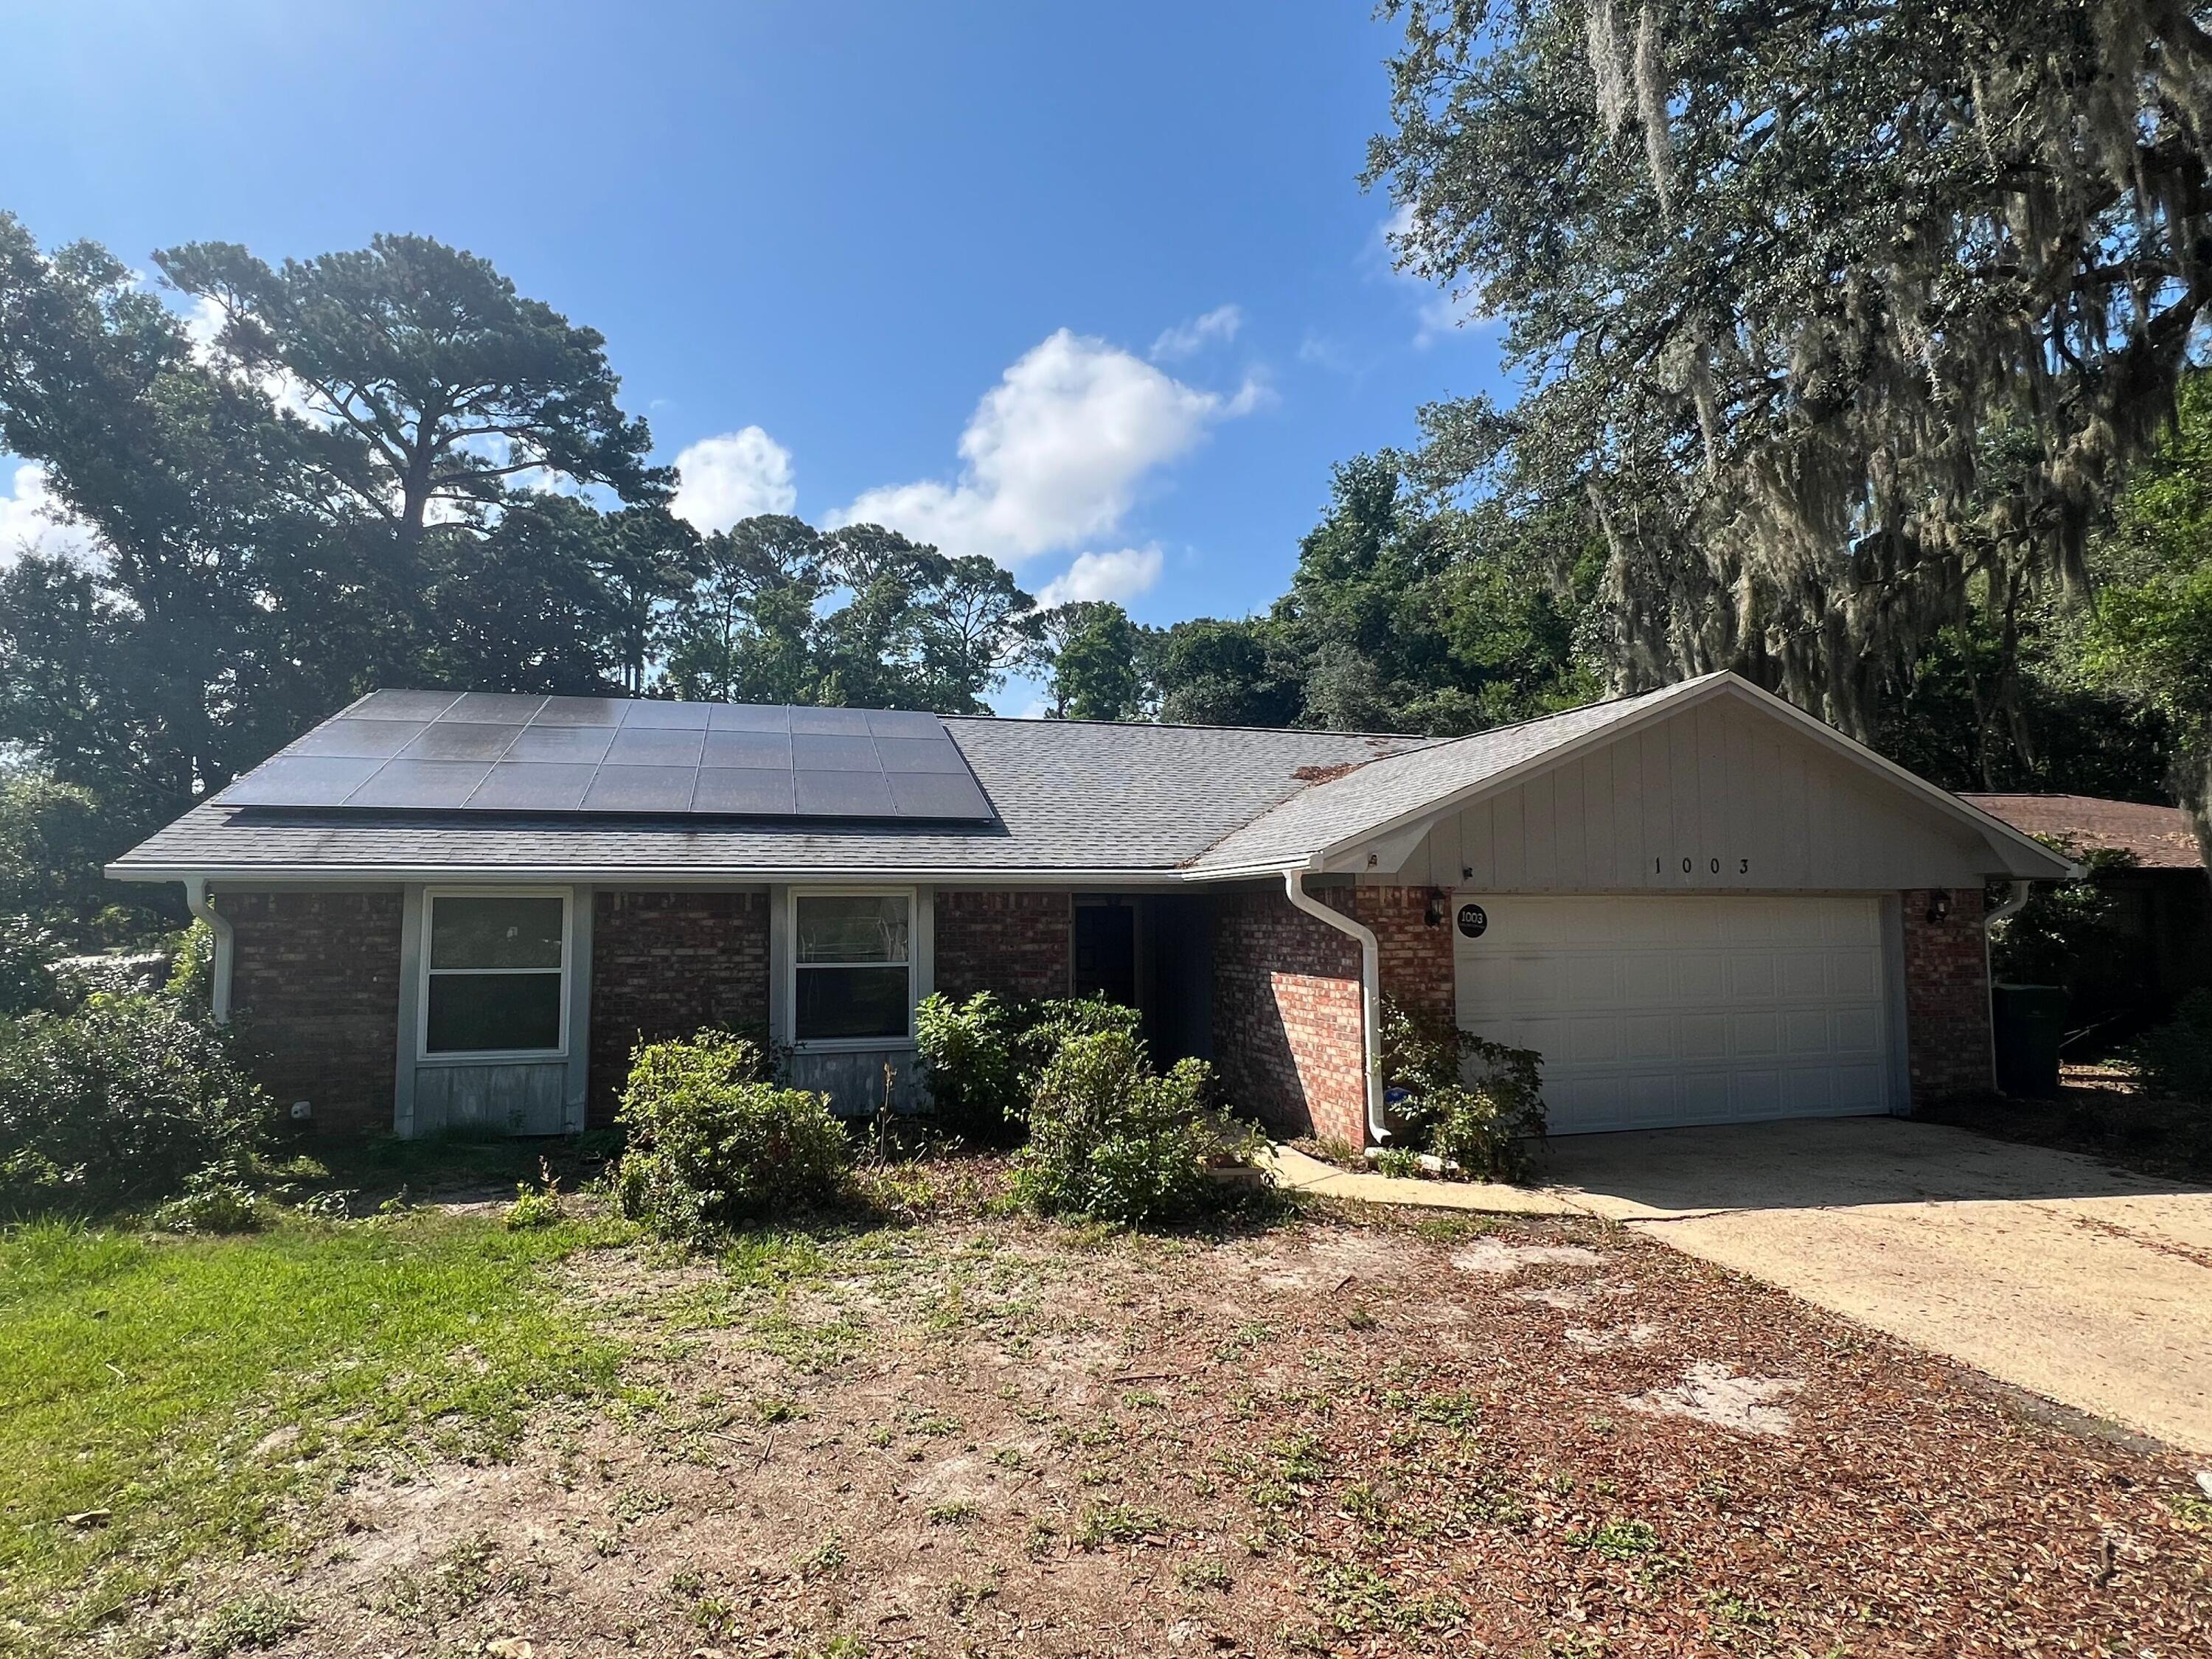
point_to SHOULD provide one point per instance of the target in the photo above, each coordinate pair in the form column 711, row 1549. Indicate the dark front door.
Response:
column 1106, row 952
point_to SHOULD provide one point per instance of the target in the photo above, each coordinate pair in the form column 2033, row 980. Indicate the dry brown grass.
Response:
column 969, row 1433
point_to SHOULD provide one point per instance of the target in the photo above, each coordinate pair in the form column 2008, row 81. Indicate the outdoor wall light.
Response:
column 1434, row 916
column 1939, row 906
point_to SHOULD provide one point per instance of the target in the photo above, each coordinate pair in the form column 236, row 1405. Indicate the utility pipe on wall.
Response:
column 196, row 898
column 2016, row 894
column 1370, row 994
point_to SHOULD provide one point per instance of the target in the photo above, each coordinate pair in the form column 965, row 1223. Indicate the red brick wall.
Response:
column 314, row 995
column 1287, row 1038
column 664, row 965
column 1415, row 959
column 1946, row 998
column 1018, row 944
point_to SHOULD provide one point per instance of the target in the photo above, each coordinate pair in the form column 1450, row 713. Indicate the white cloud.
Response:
column 29, row 521
column 1187, row 339
column 1054, row 454
column 1119, row 576
column 732, row 476
column 1441, row 311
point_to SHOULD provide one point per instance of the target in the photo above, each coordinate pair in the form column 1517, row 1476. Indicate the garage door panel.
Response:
column 1704, row 1035
column 1648, row 1039
column 1758, row 1033
column 1594, row 981
column 1854, row 974
column 1704, row 978
column 1653, row 1012
column 1858, row 1031
column 1806, row 974
column 1755, row 976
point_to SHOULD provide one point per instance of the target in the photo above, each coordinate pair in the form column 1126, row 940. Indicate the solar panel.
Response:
column 483, row 751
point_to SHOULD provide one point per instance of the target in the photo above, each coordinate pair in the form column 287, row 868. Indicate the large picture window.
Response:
column 853, row 959
column 494, row 973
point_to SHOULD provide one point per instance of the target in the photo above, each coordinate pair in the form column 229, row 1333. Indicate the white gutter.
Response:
column 195, row 897
column 1371, row 993
column 2016, row 894
column 675, row 875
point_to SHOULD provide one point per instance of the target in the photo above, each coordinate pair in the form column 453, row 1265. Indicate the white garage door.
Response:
column 1656, row 1012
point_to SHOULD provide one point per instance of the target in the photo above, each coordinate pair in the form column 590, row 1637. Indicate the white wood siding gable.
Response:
column 1718, row 796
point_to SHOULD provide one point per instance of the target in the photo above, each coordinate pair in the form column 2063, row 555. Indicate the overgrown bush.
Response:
column 536, row 1207
column 968, row 1062
column 1480, row 1129
column 714, row 1143
column 116, row 1103
column 984, row 1057
column 27, row 966
column 219, row 1199
column 2176, row 1059
column 1115, row 1140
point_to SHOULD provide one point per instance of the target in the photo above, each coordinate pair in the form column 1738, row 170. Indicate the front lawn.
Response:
column 943, row 1428
column 173, row 1394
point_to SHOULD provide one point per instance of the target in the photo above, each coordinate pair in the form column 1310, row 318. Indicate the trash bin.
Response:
column 2031, row 1025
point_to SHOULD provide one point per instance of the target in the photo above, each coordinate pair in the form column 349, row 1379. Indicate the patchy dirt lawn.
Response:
column 1347, row 1434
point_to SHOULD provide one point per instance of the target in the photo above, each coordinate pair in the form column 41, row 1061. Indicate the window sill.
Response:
column 513, row 1057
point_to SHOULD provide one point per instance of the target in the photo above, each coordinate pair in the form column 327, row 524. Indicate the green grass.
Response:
column 189, row 1387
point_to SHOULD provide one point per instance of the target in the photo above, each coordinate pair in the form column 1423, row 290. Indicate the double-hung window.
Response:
column 494, row 973
column 853, row 963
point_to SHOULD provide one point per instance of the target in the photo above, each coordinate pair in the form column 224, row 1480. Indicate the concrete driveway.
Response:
column 2089, row 1285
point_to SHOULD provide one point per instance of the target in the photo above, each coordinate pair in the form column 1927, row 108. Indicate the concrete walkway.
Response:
column 2089, row 1285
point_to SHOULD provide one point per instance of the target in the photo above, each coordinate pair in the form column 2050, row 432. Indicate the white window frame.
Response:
column 423, row 1053
column 791, row 969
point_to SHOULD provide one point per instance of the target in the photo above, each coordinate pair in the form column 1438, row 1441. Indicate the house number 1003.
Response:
column 1690, row 866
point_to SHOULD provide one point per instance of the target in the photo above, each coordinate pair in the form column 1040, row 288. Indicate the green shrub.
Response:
column 2176, row 1059
column 712, row 1143
column 1481, row 1130
column 27, row 970
column 191, row 963
column 984, row 1057
column 1402, row 1162
column 968, row 1062
column 219, row 1199
column 116, row 1103
column 536, row 1207
column 1112, row 1139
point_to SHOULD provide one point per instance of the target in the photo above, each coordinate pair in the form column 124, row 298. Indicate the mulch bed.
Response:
column 2102, row 1111
column 1344, row 1434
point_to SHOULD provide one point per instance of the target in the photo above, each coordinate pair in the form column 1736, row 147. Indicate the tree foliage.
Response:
column 1839, row 321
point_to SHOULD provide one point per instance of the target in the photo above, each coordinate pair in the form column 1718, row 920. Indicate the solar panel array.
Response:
column 485, row 752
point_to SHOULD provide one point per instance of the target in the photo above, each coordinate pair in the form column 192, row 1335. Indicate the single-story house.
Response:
column 1701, row 904
column 2162, row 901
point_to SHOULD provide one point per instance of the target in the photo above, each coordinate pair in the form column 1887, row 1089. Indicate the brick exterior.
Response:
column 666, row 964
column 1414, row 958
column 1019, row 944
column 1286, row 1017
column 1946, row 998
column 314, row 995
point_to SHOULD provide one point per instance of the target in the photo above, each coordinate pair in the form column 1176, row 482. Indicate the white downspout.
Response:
column 1370, row 994
column 196, row 898
column 2016, row 895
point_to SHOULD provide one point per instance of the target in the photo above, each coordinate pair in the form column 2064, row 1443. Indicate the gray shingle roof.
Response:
column 1070, row 795
column 1377, row 794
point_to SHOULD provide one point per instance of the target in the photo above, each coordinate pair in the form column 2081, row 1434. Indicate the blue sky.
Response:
column 1093, row 290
